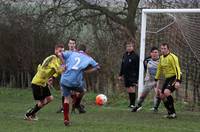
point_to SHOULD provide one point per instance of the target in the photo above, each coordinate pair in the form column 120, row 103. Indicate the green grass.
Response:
column 115, row 117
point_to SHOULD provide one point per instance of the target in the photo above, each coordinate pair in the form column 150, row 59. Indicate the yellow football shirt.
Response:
column 169, row 66
column 50, row 66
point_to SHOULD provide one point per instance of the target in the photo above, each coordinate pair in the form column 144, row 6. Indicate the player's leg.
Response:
column 130, row 93
column 79, row 96
column 157, row 100
column 66, row 110
column 60, row 110
column 66, row 94
column 168, row 100
column 165, row 101
column 79, row 93
column 156, row 103
column 131, row 89
column 132, row 96
column 73, row 96
column 145, row 92
column 43, row 96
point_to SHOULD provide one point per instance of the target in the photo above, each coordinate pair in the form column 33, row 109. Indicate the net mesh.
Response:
column 182, row 32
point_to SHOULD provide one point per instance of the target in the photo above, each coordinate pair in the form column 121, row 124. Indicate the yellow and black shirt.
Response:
column 50, row 66
column 169, row 66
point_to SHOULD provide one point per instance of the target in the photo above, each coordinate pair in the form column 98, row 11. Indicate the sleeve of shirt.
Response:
column 147, row 75
column 66, row 54
column 137, row 65
column 94, row 64
column 145, row 63
column 158, row 70
column 176, row 67
column 122, row 68
column 55, row 75
column 57, row 67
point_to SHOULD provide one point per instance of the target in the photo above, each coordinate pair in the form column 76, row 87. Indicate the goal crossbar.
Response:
column 171, row 10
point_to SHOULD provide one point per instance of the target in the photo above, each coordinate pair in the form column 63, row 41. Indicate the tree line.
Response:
column 30, row 29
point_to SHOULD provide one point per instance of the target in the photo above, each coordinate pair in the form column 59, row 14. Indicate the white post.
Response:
column 171, row 10
column 142, row 53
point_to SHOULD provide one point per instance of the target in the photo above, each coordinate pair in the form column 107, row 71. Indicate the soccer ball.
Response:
column 101, row 99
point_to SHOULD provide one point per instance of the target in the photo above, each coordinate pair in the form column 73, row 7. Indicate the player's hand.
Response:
column 157, row 91
column 177, row 85
column 50, row 81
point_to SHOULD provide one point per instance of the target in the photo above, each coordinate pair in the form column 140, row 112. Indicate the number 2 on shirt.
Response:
column 75, row 66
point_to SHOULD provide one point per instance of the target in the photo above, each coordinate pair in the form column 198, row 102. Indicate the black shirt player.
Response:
column 130, row 71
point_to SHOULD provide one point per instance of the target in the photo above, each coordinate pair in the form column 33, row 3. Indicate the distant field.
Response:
column 115, row 117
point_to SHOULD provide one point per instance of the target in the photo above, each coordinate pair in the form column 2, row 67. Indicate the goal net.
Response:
column 181, row 29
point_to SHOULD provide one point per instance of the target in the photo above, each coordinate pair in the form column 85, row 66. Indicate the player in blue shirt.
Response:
column 77, row 62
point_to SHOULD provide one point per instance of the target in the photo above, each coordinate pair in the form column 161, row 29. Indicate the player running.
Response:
column 40, row 89
column 72, row 78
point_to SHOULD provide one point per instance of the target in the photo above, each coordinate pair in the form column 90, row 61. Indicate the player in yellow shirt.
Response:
column 52, row 65
column 170, row 68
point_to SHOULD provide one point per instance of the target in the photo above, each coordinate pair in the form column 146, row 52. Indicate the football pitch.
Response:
column 114, row 117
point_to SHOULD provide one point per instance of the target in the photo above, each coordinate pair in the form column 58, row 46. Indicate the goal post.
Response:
column 145, row 13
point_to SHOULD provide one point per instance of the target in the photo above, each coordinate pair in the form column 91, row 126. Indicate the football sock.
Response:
column 33, row 110
column 132, row 98
column 78, row 99
column 171, row 103
column 157, row 101
column 73, row 96
column 140, row 101
column 66, row 111
column 166, row 104
column 63, row 98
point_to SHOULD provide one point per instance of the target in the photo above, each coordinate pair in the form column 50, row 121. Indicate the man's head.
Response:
column 154, row 53
column 72, row 44
column 58, row 49
column 82, row 47
column 164, row 48
column 130, row 46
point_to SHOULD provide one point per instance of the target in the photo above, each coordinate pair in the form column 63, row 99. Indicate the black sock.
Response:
column 33, row 110
column 171, row 104
column 157, row 101
column 166, row 104
column 132, row 98
column 140, row 101
column 63, row 98
column 78, row 99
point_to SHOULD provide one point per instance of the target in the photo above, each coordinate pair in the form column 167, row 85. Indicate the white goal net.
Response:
column 181, row 29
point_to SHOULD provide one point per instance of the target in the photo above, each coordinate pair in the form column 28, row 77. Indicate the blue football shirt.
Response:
column 76, row 63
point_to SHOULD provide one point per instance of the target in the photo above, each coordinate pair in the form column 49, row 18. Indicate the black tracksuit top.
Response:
column 130, row 66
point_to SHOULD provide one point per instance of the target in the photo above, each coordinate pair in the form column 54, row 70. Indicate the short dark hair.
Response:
column 59, row 45
column 82, row 47
column 72, row 39
column 153, row 48
column 130, row 41
column 165, row 44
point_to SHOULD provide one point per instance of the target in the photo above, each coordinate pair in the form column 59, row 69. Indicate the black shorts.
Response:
column 39, row 92
column 169, row 84
column 129, row 82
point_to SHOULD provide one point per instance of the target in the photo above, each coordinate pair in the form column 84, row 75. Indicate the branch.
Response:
column 112, row 15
